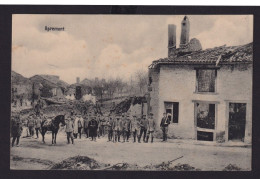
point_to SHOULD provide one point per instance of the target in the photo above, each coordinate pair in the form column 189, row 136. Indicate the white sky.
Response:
column 111, row 45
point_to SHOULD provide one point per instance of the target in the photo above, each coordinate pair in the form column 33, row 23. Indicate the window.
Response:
column 172, row 111
column 206, row 79
column 205, row 114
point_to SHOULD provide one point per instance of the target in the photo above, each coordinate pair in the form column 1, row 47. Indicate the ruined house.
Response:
column 50, row 85
column 21, row 89
column 208, row 93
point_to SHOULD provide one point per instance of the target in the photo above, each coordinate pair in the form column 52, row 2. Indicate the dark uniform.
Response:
column 16, row 130
column 31, row 125
column 93, row 126
column 126, row 128
column 164, row 126
column 86, row 121
column 109, row 128
column 135, row 127
column 143, row 130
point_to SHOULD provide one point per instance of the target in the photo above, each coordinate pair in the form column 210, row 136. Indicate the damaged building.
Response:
column 208, row 93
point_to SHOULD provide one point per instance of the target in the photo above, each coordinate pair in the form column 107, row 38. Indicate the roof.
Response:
column 215, row 56
column 49, row 81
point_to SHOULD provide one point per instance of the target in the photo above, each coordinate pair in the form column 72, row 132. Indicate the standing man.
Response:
column 143, row 128
column 150, row 127
column 135, row 127
column 93, row 127
column 123, row 121
column 37, row 108
column 86, row 121
column 38, row 122
column 164, row 126
column 30, row 124
column 70, row 128
column 127, row 127
column 16, row 129
column 117, row 128
column 99, row 125
column 109, row 128
column 102, row 126
column 80, row 125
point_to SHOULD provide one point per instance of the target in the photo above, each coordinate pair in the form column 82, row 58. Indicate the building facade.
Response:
column 207, row 94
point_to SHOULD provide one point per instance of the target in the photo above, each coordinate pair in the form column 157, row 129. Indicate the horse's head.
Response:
column 60, row 119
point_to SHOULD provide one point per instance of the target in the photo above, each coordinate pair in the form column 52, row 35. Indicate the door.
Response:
column 237, row 121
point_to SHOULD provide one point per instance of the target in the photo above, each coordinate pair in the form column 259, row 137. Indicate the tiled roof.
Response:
column 217, row 55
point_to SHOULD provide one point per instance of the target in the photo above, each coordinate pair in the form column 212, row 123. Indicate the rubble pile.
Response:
column 86, row 163
column 231, row 167
column 78, row 163
column 62, row 109
column 124, row 106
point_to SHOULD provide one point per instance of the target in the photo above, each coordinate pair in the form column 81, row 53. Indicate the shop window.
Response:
column 172, row 111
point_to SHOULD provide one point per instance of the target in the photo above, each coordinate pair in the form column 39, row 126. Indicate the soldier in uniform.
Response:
column 143, row 129
column 135, row 127
column 127, row 127
column 117, row 128
column 109, row 128
column 164, row 126
column 31, row 124
column 93, row 127
column 70, row 128
column 16, row 129
column 86, row 121
column 150, row 128
column 38, row 122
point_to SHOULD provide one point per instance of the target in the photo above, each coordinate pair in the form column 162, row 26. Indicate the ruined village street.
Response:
column 34, row 155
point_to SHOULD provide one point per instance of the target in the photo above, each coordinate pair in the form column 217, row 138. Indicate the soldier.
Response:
column 93, row 127
column 38, row 122
column 16, row 129
column 143, row 128
column 70, row 128
column 117, row 128
column 150, row 128
column 86, row 121
column 109, row 128
column 80, row 125
column 102, row 126
column 135, row 127
column 127, row 127
column 31, row 124
column 98, row 119
column 164, row 126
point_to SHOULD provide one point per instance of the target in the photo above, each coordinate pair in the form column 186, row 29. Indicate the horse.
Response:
column 53, row 127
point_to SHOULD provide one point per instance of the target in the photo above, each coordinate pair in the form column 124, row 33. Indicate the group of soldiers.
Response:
column 119, row 128
column 116, row 127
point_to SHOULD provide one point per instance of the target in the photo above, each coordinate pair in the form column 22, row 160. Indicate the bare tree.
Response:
column 142, row 80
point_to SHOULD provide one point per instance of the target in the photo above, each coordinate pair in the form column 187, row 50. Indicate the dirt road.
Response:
column 34, row 155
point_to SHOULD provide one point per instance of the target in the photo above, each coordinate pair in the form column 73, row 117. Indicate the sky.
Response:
column 111, row 46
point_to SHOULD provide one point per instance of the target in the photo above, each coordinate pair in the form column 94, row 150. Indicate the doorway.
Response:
column 237, row 121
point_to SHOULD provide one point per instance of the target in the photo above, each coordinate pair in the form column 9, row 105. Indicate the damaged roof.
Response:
column 217, row 55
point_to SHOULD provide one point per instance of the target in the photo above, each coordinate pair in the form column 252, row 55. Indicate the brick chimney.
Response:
column 171, row 39
column 77, row 79
column 185, row 32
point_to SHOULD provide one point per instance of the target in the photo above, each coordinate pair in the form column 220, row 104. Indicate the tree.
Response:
column 142, row 80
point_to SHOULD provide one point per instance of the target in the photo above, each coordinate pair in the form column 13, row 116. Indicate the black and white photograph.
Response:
column 131, row 92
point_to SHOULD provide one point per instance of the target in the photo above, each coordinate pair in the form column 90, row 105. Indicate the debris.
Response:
column 232, row 167
column 77, row 163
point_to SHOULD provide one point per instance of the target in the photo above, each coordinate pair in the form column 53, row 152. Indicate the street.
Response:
column 34, row 155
